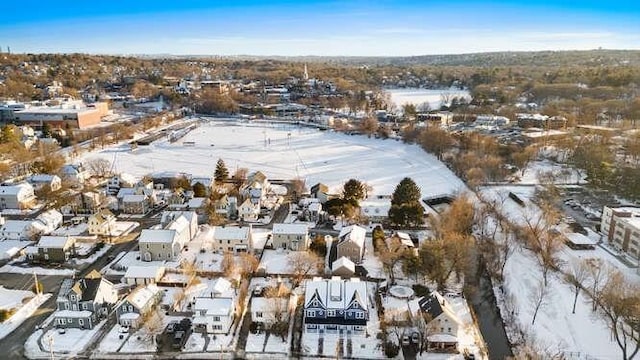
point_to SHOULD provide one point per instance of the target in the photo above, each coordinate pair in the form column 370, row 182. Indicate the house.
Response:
column 621, row 227
column 249, row 211
column 400, row 242
column 215, row 308
column 101, row 223
column 143, row 275
column 227, row 206
column 55, row 249
column 269, row 311
column 235, row 239
column 320, row 191
column 74, row 174
column 81, row 304
column 159, row 245
column 437, row 315
column 45, row 182
column 199, row 205
column 290, row 236
column 351, row 243
column 116, row 182
column 343, row 267
column 185, row 223
column 18, row 196
column 135, row 204
column 335, row 305
column 132, row 310
column 47, row 222
column 17, row 230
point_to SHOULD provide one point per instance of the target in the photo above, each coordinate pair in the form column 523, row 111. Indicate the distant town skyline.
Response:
column 323, row 28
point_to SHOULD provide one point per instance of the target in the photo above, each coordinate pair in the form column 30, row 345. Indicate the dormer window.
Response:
column 73, row 298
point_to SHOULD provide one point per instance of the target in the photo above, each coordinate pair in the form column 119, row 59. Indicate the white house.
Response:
column 159, row 245
column 17, row 229
column 143, row 275
column 185, row 223
column 249, row 211
column 351, row 243
column 444, row 324
column 47, row 221
column 45, row 181
column 291, row 236
column 102, row 223
column 232, row 238
column 18, row 196
column 215, row 308
column 343, row 267
column 270, row 310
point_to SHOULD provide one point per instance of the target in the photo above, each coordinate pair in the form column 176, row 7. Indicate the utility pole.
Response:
column 35, row 280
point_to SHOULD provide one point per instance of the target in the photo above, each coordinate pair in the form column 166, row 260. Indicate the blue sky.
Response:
column 287, row 27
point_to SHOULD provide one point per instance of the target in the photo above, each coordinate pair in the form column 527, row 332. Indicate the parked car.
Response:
column 405, row 340
column 124, row 329
column 415, row 338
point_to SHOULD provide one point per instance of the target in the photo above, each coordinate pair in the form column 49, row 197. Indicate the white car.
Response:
column 124, row 329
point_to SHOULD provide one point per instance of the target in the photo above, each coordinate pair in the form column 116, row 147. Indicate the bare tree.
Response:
column 620, row 305
column 99, row 167
column 391, row 254
column 576, row 275
column 153, row 324
column 228, row 264
column 538, row 298
column 599, row 273
column 369, row 125
column 538, row 237
column 303, row 264
column 247, row 264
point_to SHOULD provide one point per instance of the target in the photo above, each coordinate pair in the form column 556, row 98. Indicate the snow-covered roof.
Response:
column 157, row 236
column 344, row 262
column 143, row 295
column 315, row 207
column 144, row 272
column 134, row 198
column 336, row 293
column 379, row 208
column 196, row 202
column 43, row 178
column 15, row 189
column 353, row 233
column 125, row 191
column 73, row 314
column 231, row 232
column 51, row 217
column 297, row 229
column 266, row 305
column 15, row 225
column 214, row 306
column 579, row 239
column 54, row 241
column 168, row 216
column 404, row 238
column 129, row 316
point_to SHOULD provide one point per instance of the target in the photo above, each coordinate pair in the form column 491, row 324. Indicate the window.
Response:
column 130, row 308
column 258, row 314
column 73, row 298
column 216, row 318
column 84, row 306
column 449, row 330
column 81, row 322
column 359, row 315
column 311, row 313
column 217, row 327
column 331, row 313
column 61, row 321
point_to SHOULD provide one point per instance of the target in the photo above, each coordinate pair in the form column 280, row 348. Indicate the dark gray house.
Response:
column 83, row 303
column 335, row 305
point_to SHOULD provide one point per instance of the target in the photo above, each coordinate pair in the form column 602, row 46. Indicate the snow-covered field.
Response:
column 419, row 96
column 290, row 151
column 9, row 248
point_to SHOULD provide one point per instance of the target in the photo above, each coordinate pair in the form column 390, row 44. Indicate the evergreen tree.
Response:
column 222, row 173
column 353, row 191
column 199, row 190
column 406, row 192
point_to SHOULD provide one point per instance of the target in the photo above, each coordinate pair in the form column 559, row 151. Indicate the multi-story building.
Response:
column 351, row 243
column 290, row 236
column 621, row 226
column 19, row 196
column 81, row 304
column 335, row 305
column 232, row 238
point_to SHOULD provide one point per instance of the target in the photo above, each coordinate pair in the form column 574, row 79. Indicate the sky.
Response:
column 317, row 27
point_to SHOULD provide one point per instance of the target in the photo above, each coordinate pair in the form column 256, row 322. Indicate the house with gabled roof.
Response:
column 214, row 309
column 351, row 243
column 18, row 196
column 55, row 249
column 45, row 182
column 320, row 191
column 438, row 316
column 132, row 310
column 159, row 245
column 290, row 236
column 81, row 304
column 235, row 239
column 249, row 211
column 335, row 305
column 102, row 223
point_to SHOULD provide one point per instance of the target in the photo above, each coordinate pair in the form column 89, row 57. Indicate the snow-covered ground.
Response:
column 72, row 342
column 72, row 230
column 9, row 248
column 556, row 329
column 562, row 173
column 12, row 299
column 434, row 97
column 293, row 151
column 35, row 269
